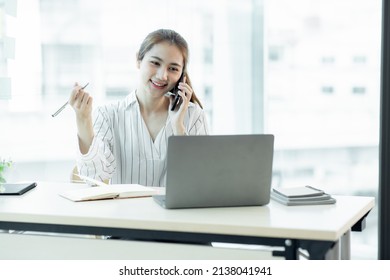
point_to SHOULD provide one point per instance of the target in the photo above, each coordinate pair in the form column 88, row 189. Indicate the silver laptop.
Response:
column 218, row 171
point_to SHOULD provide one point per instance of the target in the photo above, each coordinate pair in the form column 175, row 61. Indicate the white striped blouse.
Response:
column 122, row 149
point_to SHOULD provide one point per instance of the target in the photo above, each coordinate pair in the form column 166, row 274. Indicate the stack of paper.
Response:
column 306, row 195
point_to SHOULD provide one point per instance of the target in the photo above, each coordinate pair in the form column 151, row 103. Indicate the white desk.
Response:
column 318, row 229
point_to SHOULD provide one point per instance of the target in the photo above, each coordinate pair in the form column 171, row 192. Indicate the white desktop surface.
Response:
column 323, row 222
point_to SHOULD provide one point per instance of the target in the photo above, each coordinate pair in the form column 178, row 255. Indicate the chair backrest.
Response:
column 74, row 178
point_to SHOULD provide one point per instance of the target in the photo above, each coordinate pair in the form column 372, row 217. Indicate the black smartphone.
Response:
column 176, row 92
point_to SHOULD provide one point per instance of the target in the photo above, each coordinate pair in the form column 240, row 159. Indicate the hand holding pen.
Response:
column 81, row 103
column 67, row 102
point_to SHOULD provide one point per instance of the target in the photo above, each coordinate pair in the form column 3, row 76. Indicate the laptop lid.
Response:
column 219, row 170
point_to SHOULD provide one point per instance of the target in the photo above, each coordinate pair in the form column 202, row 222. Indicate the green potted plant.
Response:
column 4, row 165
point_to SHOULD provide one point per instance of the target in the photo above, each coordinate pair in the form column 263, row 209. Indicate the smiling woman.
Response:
column 127, row 141
column 172, row 45
column 59, row 42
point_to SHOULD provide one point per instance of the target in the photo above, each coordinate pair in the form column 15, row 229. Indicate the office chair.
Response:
column 74, row 178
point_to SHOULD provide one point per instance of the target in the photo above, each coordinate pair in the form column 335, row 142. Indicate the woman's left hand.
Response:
column 177, row 116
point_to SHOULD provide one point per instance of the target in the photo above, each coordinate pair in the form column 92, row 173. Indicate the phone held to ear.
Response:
column 175, row 91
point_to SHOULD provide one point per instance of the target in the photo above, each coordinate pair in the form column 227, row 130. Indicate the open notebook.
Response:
column 109, row 192
column 105, row 191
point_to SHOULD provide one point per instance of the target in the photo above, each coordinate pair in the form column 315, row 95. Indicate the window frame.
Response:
column 384, row 140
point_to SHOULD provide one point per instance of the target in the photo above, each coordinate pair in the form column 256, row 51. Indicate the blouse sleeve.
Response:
column 197, row 124
column 99, row 163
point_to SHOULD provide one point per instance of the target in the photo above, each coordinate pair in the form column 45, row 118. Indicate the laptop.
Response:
column 218, row 171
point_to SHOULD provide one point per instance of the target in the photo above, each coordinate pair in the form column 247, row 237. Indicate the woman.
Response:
column 127, row 141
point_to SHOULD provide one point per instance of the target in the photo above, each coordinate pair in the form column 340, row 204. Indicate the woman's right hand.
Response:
column 81, row 102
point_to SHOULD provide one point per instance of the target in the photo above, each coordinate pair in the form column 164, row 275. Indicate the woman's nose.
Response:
column 162, row 74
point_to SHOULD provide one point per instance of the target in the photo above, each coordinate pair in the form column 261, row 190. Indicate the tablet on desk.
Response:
column 16, row 188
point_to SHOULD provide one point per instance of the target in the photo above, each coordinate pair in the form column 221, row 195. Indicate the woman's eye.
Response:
column 155, row 63
column 174, row 69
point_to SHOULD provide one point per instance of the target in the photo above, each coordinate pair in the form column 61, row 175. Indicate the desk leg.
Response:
column 345, row 249
column 334, row 252
column 320, row 250
column 341, row 249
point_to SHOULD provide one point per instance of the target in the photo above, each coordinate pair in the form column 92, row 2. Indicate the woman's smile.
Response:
column 158, row 85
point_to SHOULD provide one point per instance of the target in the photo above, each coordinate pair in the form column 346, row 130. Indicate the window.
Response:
column 327, row 89
column 358, row 90
column 359, row 59
column 58, row 44
column 328, row 60
column 329, row 139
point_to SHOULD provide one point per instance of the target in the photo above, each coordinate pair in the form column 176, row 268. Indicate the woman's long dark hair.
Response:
column 174, row 38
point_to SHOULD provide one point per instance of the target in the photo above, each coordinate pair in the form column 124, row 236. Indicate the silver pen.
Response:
column 63, row 106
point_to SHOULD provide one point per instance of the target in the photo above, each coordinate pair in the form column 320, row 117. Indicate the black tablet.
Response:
column 16, row 188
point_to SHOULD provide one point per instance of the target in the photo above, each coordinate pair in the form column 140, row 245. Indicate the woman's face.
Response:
column 160, row 69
